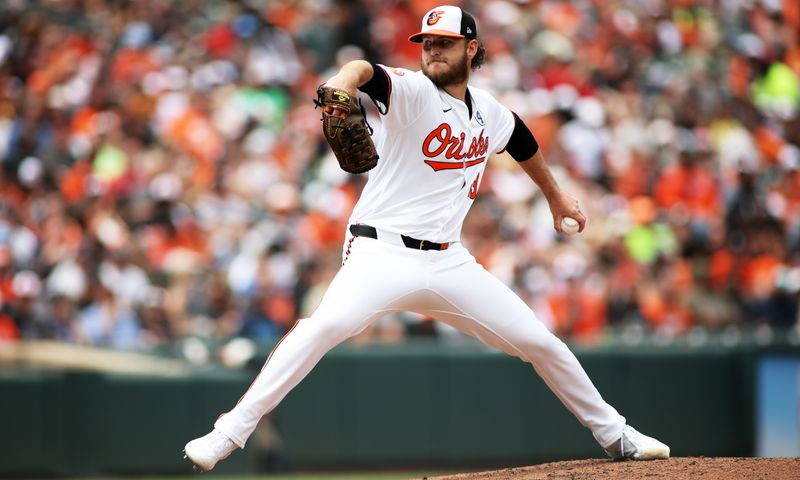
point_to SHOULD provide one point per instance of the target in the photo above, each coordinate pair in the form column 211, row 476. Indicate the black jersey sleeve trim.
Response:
column 468, row 101
column 379, row 88
column 522, row 145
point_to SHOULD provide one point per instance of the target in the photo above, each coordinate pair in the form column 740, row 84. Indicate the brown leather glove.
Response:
column 348, row 132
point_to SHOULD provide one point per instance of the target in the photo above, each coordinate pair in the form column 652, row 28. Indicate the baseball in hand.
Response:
column 569, row 225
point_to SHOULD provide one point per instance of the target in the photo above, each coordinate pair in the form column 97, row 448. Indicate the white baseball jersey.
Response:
column 432, row 157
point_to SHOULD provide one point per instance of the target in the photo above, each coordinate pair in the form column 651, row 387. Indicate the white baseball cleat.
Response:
column 633, row 445
column 206, row 451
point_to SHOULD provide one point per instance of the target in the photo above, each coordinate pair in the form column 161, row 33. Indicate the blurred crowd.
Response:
column 163, row 174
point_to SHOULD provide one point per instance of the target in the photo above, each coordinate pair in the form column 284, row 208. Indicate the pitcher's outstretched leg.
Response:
column 290, row 361
column 357, row 296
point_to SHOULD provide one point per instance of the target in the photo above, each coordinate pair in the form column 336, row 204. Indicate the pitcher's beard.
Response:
column 455, row 75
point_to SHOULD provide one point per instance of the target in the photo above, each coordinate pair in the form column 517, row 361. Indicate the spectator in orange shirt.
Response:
column 689, row 183
column 578, row 309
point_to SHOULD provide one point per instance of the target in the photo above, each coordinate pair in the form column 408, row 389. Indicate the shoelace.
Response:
column 220, row 444
column 353, row 137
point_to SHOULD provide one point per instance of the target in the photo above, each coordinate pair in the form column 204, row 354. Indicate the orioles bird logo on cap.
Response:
column 434, row 17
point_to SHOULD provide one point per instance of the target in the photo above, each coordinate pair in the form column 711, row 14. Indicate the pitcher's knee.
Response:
column 329, row 329
column 542, row 342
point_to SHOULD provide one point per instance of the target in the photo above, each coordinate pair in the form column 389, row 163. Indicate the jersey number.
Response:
column 473, row 190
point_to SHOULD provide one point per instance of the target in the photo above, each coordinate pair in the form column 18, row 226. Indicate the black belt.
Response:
column 361, row 230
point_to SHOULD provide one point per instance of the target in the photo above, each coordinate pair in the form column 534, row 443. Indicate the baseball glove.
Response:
column 349, row 134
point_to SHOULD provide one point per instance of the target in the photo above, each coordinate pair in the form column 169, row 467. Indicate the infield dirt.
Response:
column 680, row 468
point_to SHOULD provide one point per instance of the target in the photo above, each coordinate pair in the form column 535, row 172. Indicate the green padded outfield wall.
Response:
column 461, row 408
column 376, row 407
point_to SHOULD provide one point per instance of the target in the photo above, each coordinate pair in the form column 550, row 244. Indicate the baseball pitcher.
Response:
column 402, row 248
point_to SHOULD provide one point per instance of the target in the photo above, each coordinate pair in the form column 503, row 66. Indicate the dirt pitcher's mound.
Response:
column 680, row 468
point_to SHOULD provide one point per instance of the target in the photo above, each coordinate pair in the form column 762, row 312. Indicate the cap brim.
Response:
column 417, row 37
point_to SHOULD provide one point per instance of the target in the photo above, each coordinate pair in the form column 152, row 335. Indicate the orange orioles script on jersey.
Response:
column 441, row 140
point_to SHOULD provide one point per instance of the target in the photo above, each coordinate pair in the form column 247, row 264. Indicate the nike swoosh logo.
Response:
column 445, row 111
column 436, row 166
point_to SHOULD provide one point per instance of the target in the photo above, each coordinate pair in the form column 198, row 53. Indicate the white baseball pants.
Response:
column 379, row 277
